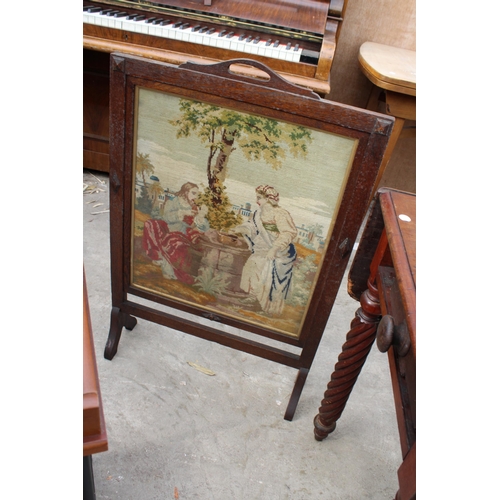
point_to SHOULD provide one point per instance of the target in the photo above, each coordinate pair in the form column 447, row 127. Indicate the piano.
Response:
column 295, row 38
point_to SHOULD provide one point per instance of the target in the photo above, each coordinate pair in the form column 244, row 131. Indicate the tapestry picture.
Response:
column 232, row 212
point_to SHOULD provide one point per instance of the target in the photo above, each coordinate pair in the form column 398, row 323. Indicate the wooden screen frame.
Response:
column 270, row 96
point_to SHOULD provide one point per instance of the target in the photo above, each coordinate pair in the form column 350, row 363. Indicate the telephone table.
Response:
column 383, row 279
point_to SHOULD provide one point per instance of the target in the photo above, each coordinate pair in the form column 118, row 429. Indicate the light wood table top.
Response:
column 389, row 67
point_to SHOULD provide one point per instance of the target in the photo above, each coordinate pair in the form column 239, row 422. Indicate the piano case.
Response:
column 235, row 202
column 295, row 39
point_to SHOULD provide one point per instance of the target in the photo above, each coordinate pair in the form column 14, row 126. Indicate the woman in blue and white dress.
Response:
column 269, row 233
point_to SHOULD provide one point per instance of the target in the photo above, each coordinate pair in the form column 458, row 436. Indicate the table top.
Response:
column 400, row 221
column 390, row 68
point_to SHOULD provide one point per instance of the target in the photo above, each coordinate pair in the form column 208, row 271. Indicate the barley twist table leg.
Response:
column 350, row 361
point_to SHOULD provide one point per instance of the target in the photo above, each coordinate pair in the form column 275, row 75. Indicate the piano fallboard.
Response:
column 305, row 18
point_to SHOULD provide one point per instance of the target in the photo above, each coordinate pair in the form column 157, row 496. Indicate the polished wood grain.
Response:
column 306, row 15
column 389, row 68
column 94, row 428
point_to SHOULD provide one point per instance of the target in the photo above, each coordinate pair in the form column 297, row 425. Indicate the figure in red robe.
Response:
column 173, row 242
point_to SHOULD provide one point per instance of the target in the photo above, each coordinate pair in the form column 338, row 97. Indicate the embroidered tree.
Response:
column 143, row 166
column 224, row 130
column 154, row 192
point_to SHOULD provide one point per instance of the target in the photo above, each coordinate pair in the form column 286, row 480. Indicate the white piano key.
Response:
column 176, row 33
column 208, row 38
column 225, row 43
column 184, row 32
column 219, row 39
column 252, row 47
column 269, row 51
column 118, row 23
column 157, row 30
column 94, row 18
column 128, row 25
column 196, row 37
column 170, row 31
column 103, row 19
column 296, row 54
column 213, row 39
column 238, row 44
column 100, row 20
column 184, row 35
column 205, row 39
column 142, row 27
column 152, row 29
column 233, row 43
column 107, row 21
column 261, row 48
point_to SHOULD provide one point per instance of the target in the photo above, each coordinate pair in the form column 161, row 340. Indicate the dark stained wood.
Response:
column 275, row 98
column 387, row 255
column 355, row 350
column 313, row 23
column 96, row 110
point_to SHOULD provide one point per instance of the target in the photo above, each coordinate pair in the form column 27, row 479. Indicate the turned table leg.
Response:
column 350, row 361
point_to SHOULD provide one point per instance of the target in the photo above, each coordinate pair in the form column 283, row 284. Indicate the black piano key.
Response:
column 309, row 56
column 105, row 11
column 150, row 20
column 165, row 22
column 241, row 37
column 184, row 26
column 269, row 41
column 256, row 39
column 210, row 31
column 196, row 28
column 112, row 13
column 296, row 48
column 205, row 28
column 177, row 24
column 276, row 43
column 288, row 46
column 91, row 8
column 249, row 39
column 222, row 33
column 121, row 14
column 230, row 34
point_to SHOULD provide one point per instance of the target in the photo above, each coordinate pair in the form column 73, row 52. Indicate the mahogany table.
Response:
column 383, row 279
column 95, row 439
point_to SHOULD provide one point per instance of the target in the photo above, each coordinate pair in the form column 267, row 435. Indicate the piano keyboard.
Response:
column 154, row 25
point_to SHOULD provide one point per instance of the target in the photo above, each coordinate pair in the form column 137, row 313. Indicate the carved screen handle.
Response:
column 251, row 71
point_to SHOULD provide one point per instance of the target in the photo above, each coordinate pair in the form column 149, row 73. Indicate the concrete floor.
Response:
column 177, row 433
